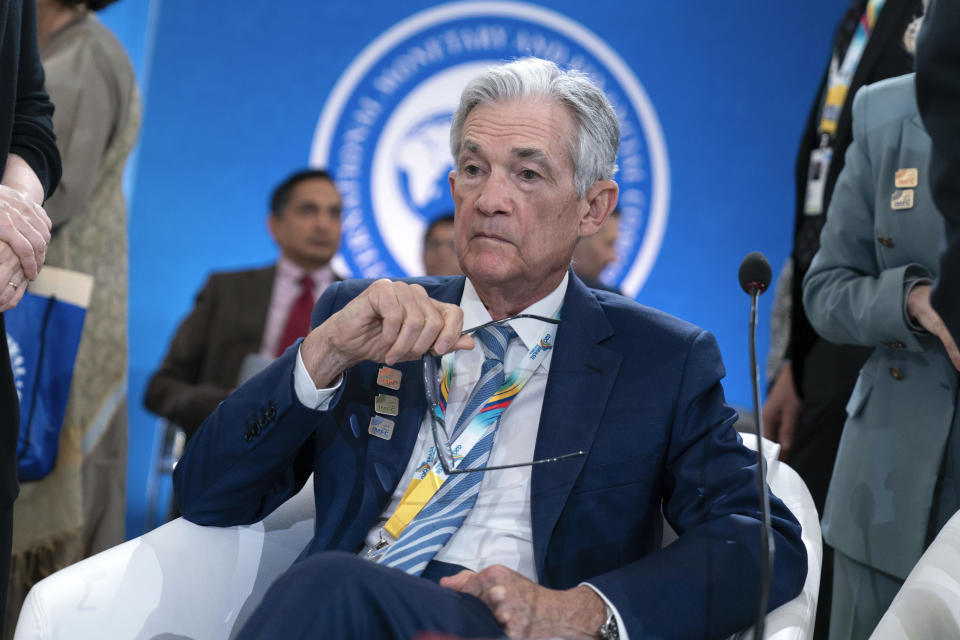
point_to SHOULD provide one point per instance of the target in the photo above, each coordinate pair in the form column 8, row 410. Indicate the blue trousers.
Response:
column 339, row 595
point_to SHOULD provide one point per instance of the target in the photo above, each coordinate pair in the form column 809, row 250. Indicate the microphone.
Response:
column 754, row 273
column 754, row 276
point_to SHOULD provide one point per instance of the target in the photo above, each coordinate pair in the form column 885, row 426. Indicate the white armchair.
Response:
column 183, row 581
column 928, row 603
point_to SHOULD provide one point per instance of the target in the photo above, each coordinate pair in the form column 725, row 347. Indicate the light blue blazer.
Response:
column 900, row 411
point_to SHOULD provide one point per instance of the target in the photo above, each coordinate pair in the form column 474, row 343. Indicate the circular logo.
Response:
column 384, row 131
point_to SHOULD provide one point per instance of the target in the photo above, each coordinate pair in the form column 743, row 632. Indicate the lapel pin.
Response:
column 389, row 378
column 905, row 179
column 381, row 427
column 387, row 405
column 901, row 200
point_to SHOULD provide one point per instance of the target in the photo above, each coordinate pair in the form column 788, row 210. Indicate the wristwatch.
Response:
column 610, row 630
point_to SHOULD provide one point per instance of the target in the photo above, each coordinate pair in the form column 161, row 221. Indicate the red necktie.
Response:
column 298, row 321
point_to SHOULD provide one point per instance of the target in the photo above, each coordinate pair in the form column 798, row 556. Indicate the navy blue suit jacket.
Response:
column 636, row 389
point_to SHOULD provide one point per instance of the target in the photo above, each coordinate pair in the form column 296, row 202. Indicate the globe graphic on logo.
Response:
column 423, row 164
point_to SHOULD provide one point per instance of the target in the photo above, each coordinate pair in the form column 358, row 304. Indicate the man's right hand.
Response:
column 389, row 322
column 781, row 410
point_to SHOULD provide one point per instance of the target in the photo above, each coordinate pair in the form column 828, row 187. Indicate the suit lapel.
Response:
column 581, row 377
column 893, row 16
column 389, row 458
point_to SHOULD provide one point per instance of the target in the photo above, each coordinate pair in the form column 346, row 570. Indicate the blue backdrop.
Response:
column 234, row 93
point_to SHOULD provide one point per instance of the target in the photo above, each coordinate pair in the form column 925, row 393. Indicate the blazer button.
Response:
column 887, row 242
column 896, row 373
column 271, row 411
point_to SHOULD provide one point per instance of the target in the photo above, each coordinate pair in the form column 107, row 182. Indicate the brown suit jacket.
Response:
column 204, row 358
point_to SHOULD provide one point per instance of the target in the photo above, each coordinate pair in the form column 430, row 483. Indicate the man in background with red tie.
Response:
column 245, row 316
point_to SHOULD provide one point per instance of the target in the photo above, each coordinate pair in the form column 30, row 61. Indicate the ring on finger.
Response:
column 12, row 284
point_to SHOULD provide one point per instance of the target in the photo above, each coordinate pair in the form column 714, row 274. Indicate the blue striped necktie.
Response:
column 449, row 506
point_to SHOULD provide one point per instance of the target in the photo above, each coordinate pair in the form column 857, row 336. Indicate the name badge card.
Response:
column 817, row 180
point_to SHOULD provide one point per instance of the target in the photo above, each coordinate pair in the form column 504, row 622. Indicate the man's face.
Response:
column 308, row 228
column 518, row 215
column 593, row 254
column 440, row 251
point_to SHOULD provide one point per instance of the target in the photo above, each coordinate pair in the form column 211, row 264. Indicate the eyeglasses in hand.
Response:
column 438, row 426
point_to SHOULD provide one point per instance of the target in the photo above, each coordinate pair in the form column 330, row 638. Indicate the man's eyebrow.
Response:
column 530, row 152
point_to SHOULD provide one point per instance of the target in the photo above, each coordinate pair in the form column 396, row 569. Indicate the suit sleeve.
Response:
column 255, row 450
column 938, row 96
column 32, row 137
column 175, row 391
column 705, row 583
column 848, row 298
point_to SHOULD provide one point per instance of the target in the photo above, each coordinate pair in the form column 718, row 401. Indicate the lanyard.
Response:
column 841, row 73
column 429, row 475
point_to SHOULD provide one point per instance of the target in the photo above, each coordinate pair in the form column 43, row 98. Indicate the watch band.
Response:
column 610, row 630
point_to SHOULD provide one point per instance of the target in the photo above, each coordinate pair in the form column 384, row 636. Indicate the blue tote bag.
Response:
column 43, row 335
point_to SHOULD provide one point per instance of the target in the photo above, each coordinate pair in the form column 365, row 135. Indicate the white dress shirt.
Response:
column 498, row 529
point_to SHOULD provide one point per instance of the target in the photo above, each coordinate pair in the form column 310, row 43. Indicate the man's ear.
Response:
column 601, row 199
column 272, row 221
column 452, row 177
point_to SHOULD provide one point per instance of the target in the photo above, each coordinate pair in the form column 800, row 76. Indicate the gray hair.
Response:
column 594, row 147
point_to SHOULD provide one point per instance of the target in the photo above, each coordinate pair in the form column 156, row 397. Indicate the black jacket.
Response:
column 26, row 128
column 938, row 96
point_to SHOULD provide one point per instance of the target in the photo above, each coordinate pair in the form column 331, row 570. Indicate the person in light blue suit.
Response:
column 566, row 548
column 894, row 482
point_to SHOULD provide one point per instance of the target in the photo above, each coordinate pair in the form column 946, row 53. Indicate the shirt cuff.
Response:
column 621, row 628
column 307, row 392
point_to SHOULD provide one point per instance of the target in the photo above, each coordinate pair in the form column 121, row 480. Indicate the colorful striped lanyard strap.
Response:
column 429, row 475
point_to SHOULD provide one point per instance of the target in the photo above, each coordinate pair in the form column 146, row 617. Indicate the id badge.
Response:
column 816, row 180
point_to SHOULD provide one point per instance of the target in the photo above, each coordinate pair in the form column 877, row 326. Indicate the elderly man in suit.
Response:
column 257, row 311
column 506, row 479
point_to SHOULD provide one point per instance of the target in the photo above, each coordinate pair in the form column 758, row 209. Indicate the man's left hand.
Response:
column 524, row 609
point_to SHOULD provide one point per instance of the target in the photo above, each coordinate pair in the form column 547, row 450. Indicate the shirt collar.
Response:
column 528, row 330
column 287, row 268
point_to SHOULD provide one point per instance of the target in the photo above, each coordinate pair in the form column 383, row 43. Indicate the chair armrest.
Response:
column 792, row 620
column 928, row 603
column 180, row 579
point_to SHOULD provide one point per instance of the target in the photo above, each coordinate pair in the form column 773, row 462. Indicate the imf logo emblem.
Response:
column 384, row 131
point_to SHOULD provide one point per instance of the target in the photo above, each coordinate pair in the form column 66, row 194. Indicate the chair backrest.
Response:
column 928, row 603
